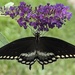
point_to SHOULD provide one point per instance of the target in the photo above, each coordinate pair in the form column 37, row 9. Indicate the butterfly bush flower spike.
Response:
column 42, row 17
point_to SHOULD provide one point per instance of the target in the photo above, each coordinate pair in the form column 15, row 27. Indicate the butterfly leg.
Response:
column 30, row 66
column 42, row 66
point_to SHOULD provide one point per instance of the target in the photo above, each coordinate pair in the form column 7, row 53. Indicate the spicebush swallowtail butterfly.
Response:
column 42, row 49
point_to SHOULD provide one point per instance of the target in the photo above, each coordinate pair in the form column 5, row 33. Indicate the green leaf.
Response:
column 6, row 6
column 9, row 4
column 3, row 40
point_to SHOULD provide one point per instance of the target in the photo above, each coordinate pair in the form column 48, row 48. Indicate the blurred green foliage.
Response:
column 12, row 31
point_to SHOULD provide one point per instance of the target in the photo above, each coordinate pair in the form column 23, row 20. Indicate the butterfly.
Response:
column 42, row 49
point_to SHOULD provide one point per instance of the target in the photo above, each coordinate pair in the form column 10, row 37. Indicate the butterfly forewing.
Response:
column 60, row 48
column 16, row 48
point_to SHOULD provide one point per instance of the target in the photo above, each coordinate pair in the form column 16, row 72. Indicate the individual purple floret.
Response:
column 42, row 17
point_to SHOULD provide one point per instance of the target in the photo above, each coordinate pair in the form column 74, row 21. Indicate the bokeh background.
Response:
column 12, row 31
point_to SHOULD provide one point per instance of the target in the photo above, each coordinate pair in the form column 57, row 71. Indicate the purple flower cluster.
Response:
column 42, row 17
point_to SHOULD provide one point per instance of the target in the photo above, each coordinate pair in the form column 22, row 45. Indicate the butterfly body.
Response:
column 42, row 49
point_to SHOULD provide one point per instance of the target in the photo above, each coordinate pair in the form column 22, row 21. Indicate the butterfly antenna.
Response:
column 31, row 28
column 42, row 66
column 43, row 33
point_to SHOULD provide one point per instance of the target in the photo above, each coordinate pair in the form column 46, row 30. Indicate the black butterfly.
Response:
column 42, row 49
